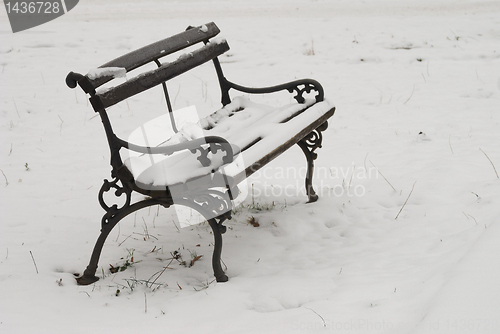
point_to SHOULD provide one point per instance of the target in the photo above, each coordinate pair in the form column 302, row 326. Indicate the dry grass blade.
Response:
column 6, row 181
column 195, row 259
column 413, row 91
column 406, row 200
column 378, row 170
column 487, row 157
column 32, row 257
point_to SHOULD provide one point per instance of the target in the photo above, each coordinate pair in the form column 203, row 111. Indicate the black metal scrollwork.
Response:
column 309, row 144
column 112, row 210
column 210, row 203
column 307, row 88
column 216, row 207
column 213, row 148
column 314, row 139
column 299, row 86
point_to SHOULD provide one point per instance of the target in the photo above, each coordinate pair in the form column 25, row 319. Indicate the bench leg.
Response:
column 309, row 144
column 109, row 221
column 89, row 276
column 108, row 224
column 216, row 207
column 218, row 229
column 112, row 216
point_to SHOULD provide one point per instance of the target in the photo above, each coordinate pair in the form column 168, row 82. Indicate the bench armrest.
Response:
column 308, row 86
column 215, row 144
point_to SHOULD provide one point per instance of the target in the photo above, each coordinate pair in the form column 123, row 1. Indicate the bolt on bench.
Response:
column 198, row 168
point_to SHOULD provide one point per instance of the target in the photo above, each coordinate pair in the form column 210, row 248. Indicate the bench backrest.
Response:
column 157, row 50
column 147, row 54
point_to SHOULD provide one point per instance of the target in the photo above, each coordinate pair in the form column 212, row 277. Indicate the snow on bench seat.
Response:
column 253, row 130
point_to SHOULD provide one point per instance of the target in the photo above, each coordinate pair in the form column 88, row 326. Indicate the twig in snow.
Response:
column 161, row 273
column 449, row 142
column 60, row 127
column 124, row 240
column 382, row 176
column 490, row 162
column 478, row 78
column 177, row 227
column 324, row 323
column 413, row 90
column 6, row 181
column 406, row 200
column 467, row 216
column 118, row 233
column 15, row 106
column 34, row 262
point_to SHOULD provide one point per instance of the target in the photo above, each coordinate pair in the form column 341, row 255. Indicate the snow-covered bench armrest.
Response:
column 214, row 144
column 298, row 86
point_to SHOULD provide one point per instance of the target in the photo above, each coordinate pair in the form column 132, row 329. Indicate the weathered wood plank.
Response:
column 153, row 78
column 148, row 53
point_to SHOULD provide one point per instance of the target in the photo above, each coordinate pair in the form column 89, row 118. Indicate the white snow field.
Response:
column 405, row 235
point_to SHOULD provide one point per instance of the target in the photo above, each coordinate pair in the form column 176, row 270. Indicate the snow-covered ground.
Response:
column 415, row 137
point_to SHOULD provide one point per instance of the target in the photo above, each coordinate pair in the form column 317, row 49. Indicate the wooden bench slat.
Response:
column 148, row 53
column 165, row 72
column 285, row 146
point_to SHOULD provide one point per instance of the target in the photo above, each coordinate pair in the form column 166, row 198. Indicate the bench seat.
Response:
column 253, row 130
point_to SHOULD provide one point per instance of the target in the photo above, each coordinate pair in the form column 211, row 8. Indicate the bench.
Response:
column 201, row 164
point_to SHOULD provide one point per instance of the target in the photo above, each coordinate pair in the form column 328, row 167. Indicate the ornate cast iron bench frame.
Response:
column 123, row 182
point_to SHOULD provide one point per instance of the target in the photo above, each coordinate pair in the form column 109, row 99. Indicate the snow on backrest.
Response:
column 157, row 50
